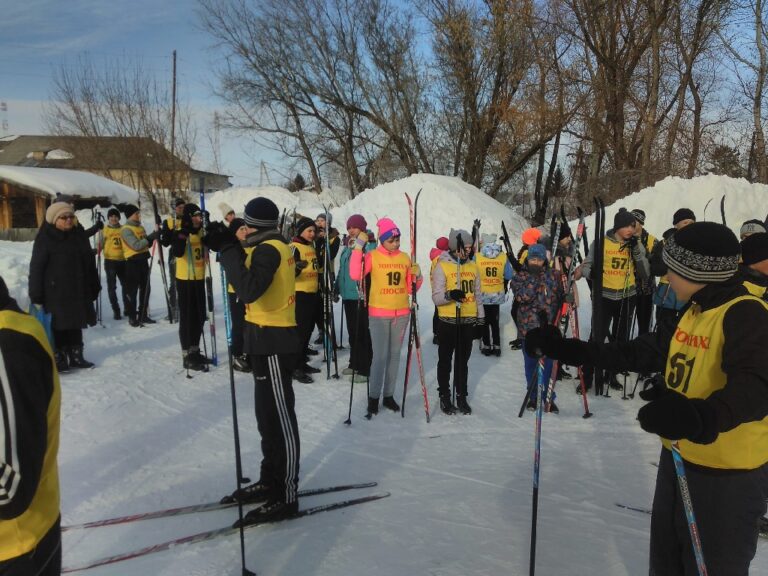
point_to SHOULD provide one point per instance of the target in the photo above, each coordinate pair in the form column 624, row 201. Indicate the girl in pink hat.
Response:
column 390, row 275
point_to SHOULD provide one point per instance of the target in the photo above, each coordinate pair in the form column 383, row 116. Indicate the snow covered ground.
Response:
column 138, row 436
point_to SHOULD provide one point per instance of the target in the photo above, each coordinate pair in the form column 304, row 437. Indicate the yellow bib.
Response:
column 113, row 243
column 306, row 281
column 22, row 534
column 194, row 253
column 140, row 233
column 388, row 281
column 694, row 369
column 469, row 272
column 618, row 267
column 755, row 289
column 173, row 223
column 491, row 273
column 277, row 306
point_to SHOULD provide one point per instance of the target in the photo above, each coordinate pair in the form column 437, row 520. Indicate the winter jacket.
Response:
column 345, row 286
column 496, row 298
column 31, row 399
column 360, row 266
column 536, row 293
column 744, row 398
column 250, row 283
column 63, row 277
column 439, row 296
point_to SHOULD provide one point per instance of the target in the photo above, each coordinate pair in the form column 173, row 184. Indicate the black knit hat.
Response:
column 179, row 202
column 623, row 219
column 754, row 248
column 304, row 223
column 704, row 252
column 683, row 214
column 261, row 213
column 130, row 210
column 236, row 223
column 192, row 210
column 113, row 212
column 639, row 215
column 565, row 231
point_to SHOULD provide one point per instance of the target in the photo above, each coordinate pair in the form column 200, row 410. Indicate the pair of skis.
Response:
column 209, row 288
column 215, row 533
column 329, row 321
column 414, row 339
column 597, row 286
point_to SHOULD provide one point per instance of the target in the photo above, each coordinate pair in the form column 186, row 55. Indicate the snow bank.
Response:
column 69, row 182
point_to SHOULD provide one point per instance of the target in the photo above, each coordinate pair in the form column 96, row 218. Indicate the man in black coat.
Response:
column 63, row 279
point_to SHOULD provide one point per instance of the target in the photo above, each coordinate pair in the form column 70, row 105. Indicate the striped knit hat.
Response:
column 704, row 252
column 261, row 213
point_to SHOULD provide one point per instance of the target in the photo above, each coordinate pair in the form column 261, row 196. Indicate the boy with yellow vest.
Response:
column 754, row 266
column 456, row 335
column 267, row 285
column 645, row 286
column 714, row 403
column 624, row 261
column 307, row 286
column 30, row 533
column 114, row 260
column 170, row 226
column 136, row 243
column 236, row 306
column 491, row 261
column 188, row 250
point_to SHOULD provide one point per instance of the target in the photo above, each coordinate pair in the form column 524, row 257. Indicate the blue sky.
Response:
column 37, row 36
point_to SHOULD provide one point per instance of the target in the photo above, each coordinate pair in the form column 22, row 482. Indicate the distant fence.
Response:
column 18, row 234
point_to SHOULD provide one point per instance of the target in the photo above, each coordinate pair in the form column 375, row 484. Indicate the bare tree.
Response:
column 123, row 101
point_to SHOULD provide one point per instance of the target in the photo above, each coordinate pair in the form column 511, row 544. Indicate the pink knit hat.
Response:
column 387, row 229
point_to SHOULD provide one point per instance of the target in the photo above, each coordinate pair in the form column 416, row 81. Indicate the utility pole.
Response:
column 173, row 126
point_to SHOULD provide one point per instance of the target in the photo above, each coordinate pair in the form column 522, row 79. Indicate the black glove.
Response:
column 457, row 295
column 152, row 237
column 219, row 237
column 99, row 225
column 301, row 264
column 653, row 388
column 632, row 241
column 547, row 341
column 675, row 417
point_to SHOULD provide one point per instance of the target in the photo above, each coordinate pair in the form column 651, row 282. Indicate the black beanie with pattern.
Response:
column 704, row 252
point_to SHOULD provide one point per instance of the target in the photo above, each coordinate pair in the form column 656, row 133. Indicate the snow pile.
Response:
column 445, row 203
column 743, row 201
column 68, row 182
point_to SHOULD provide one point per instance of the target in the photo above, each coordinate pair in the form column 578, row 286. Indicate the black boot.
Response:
column 300, row 376
column 389, row 402
column 531, row 403
column 373, row 406
column 272, row 511
column 62, row 362
column 116, row 314
column 133, row 321
column 446, row 405
column 240, row 363
column 192, row 362
column 256, row 492
column 306, row 368
column 76, row 359
column 461, row 404
column 147, row 320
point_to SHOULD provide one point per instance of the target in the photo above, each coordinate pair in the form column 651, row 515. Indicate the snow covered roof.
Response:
column 68, row 182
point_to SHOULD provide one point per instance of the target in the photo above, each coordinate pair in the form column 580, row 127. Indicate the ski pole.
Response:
column 693, row 528
column 238, row 459
column 144, row 308
column 348, row 421
column 538, row 382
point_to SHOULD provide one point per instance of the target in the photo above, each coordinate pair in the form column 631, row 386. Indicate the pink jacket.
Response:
column 358, row 270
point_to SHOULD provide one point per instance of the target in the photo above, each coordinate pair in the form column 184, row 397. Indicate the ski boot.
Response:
column 553, row 408
column 251, row 494
column 389, row 402
column 272, row 511
column 463, row 407
column 147, row 320
column 373, row 407
column 301, row 377
column 241, row 364
column 116, row 314
column 516, row 344
column 76, row 359
column 496, row 350
column 133, row 321
column 447, row 406
column 307, row 369
column 192, row 362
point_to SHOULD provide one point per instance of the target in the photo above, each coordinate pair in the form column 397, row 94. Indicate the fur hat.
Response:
column 357, row 221
column 130, row 210
column 261, row 213
column 704, row 252
column 58, row 209
column 683, row 214
column 623, row 218
column 752, row 227
column 453, row 238
column 303, row 223
column 387, row 229
column 754, row 248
